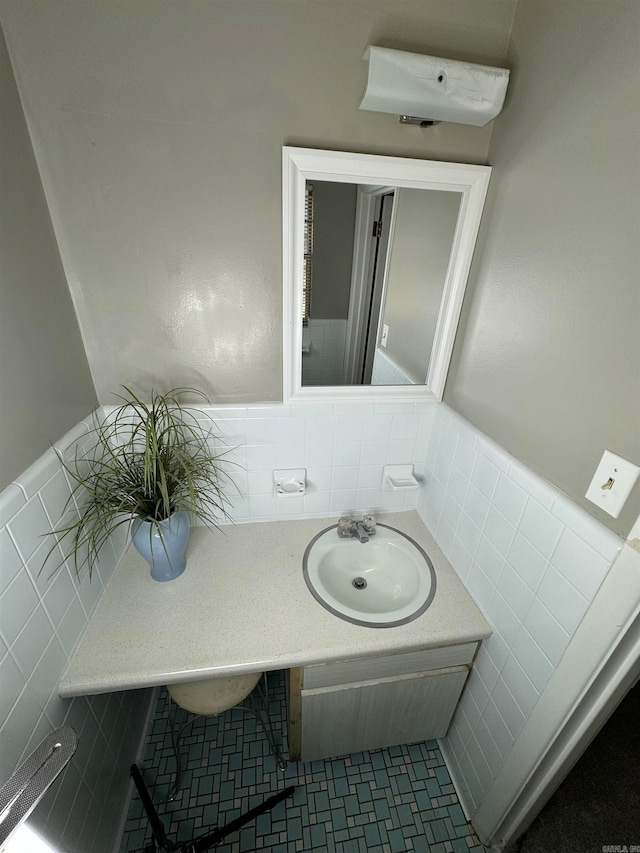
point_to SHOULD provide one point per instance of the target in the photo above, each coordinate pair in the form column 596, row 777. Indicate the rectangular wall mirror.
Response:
column 376, row 254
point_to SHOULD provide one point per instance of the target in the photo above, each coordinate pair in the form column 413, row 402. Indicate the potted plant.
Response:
column 152, row 466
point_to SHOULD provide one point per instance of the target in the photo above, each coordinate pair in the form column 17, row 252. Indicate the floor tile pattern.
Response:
column 387, row 801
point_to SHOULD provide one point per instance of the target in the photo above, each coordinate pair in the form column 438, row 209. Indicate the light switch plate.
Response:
column 385, row 335
column 612, row 482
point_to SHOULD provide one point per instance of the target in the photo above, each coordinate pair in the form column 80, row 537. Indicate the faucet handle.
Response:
column 345, row 526
column 369, row 523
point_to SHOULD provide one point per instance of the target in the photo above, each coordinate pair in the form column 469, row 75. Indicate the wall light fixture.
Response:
column 426, row 90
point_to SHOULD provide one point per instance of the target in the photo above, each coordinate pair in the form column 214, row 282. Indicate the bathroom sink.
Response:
column 384, row 582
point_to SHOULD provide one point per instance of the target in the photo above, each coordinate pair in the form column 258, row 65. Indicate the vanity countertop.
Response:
column 242, row 605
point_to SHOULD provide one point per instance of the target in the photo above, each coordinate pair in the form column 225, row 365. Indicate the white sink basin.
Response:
column 384, row 582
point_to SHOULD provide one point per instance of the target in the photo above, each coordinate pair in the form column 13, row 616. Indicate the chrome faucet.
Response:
column 359, row 528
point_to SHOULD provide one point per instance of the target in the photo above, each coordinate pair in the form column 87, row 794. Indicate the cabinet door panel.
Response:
column 371, row 715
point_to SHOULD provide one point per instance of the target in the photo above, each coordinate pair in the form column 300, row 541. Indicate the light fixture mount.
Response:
column 416, row 120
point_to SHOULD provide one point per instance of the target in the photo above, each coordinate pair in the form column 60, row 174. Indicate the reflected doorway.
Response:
column 376, row 261
column 365, row 328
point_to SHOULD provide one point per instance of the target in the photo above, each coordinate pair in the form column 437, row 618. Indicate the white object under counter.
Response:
column 242, row 605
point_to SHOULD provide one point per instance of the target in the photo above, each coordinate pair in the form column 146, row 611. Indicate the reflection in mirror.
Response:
column 373, row 325
column 376, row 253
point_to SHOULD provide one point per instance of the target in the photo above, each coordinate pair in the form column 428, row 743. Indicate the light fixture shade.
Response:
column 432, row 88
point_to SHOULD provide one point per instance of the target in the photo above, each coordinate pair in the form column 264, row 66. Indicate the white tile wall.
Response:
column 343, row 447
column 532, row 560
column 387, row 372
column 41, row 620
column 324, row 363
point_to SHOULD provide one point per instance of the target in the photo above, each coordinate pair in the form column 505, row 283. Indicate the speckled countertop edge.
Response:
column 242, row 605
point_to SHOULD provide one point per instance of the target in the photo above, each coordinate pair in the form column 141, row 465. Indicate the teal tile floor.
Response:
column 386, row 801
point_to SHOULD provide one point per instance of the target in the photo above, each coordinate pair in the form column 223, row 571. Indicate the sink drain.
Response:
column 359, row 583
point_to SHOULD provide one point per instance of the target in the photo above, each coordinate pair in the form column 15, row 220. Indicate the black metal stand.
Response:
column 204, row 842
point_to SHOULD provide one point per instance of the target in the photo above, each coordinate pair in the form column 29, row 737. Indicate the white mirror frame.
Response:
column 300, row 165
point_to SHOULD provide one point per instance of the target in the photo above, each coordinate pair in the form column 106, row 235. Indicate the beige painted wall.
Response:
column 425, row 222
column 158, row 129
column 547, row 360
column 334, row 209
column 45, row 384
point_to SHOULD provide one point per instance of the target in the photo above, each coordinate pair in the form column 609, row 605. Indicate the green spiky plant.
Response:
column 146, row 461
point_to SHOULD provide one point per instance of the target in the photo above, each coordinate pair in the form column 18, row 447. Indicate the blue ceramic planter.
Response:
column 162, row 544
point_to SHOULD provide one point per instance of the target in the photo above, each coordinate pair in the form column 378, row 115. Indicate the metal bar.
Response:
column 206, row 842
column 157, row 827
column 265, row 719
column 29, row 782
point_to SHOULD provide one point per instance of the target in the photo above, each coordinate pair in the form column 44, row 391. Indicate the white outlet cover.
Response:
column 624, row 475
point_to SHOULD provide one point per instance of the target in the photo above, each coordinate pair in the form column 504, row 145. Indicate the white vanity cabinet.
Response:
column 369, row 703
